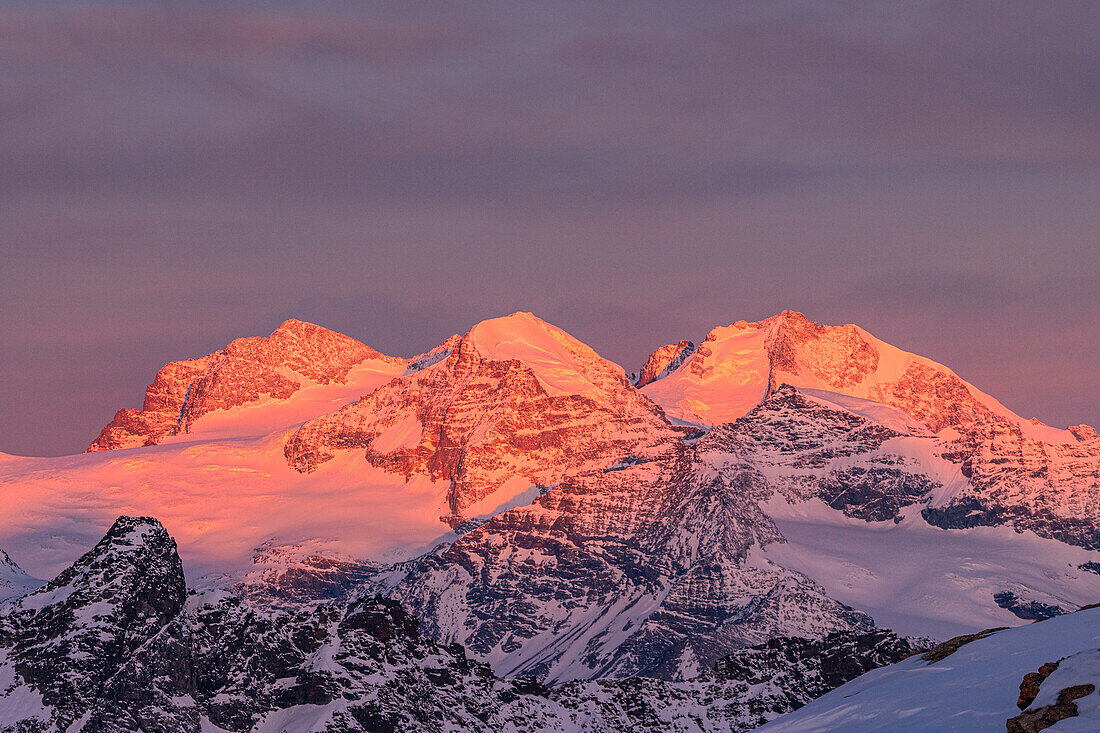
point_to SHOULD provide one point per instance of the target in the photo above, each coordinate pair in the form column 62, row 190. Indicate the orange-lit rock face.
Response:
column 838, row 356
column 479, row 422
column 936, row 398
column 242, row 372
column 664, row 359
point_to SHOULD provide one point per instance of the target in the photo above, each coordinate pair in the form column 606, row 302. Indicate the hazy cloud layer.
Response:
column 173, row 175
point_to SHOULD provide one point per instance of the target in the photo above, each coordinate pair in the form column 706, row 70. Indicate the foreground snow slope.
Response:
column 974, row 689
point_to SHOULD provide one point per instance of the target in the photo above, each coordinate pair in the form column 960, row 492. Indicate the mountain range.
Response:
column 747, row 524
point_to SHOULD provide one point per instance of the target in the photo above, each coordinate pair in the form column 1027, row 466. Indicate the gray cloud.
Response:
column 174, row 175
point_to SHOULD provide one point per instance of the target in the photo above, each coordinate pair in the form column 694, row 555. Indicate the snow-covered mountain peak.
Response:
column 516, row 402
column 65, row 640
column 1084, row 433
column 134, row 550
column 434, row 356
column 736, row 366
column 249, row 372
column 664, row 361
column 562, row 363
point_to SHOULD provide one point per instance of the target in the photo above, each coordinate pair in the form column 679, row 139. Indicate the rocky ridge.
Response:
column 1020, row 473
column 115, row 643
column 635, row 547
column 651, row 569
column 476, row 417
column 247, row 369
column 663, row 361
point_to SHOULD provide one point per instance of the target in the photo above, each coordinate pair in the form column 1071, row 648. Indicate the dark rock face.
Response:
column 814, row 666
column 114, row 645
column 874, row 494
column 242, row 372
column 742, row 691
column 67, row 639
column 364, row 661
column 1027, row 610
column 657, row 552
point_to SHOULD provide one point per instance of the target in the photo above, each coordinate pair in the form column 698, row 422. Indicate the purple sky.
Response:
column 175, row 175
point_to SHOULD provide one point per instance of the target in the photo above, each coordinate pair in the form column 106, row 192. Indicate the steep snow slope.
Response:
column 975, row 688
column 220, row 498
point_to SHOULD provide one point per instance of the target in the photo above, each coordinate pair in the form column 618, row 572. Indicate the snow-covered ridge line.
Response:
column 651, row 552
column 736, row 366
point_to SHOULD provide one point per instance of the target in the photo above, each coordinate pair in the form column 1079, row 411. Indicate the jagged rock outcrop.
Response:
column 114, row 645
column 1029, row 686
column 247, row 369
column 810, row 449
column 63, row 643
column 740, row 692
column 494, row 408
column 1029, row 610
column 664, row 360
column 1054, row 693
column 1052, row 489
column 642, row 570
